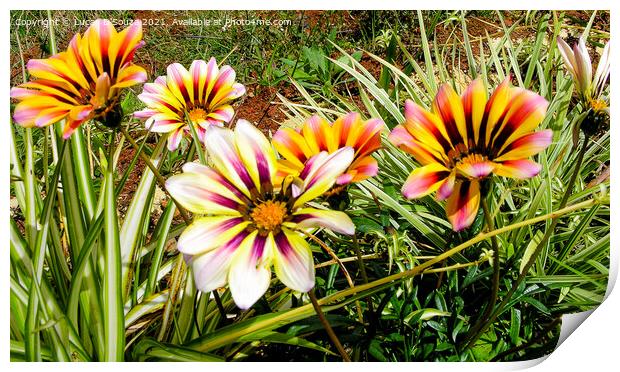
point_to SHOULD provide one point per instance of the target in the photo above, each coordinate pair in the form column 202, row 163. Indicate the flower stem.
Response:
column 345, row 272
column 328, row 327
column 192, row 129
column 495, row 280
column 160, row 179
column 539, row 247
column 360, row 260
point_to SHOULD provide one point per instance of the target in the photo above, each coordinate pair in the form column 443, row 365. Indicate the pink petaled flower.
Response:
column 201, row 95
column 246, row 223
column 84, row 82
column 316, row 135
column 464, row 139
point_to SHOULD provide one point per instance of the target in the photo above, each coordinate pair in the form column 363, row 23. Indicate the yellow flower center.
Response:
column 197, row 114
column 269, row 215
column 598, row 104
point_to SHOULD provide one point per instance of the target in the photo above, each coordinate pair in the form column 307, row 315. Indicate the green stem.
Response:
column 495, row 281
column 192, row 129
column 328, row 327
column 539, row 247
column 160, row 179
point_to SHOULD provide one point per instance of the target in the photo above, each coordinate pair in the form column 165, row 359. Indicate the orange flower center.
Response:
column 269, row 215
column 197, row 114
column 598, row 105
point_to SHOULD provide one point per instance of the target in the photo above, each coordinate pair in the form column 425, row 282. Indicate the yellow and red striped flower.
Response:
column 317, row 135
column 247, row 223
column 464, row 139
column 201, row 95
column 84, row 82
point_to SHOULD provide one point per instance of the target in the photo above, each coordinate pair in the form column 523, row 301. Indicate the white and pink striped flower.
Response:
column 246, row 223
column 201, row 96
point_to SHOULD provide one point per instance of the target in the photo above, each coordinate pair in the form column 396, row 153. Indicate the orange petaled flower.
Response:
column 84, row 82
column 201, row 95
column 317, row 135
column 464, row 139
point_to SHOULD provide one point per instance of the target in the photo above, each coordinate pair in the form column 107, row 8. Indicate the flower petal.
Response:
column 292, row 146
column 207, row 233
column 333, row 220
column 200, row 194
column 449, row 107
column 520, row 169
column 221, row 148
column 462, row 206
column 321, row 172
column 526, row 110
column 402, row 138
column 424, row 180
column 256, row 153
column 526, row 146
column 293, row 262
column 250, row 271
column 474, row 101
column 211, row 268
column 476, row 169
column 447, row 187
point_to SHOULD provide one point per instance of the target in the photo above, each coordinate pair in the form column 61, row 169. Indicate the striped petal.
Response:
column 333, row 220
column 474, row 102
column 427, row 128
column 221, row 148
column 316, row 131
column 520, row 169
column 462, row 206
column 362, row 168
column 214, row 176
column 525, row 112
column 476, row 169
column 163, row 123
column 179, row 82
column 293, row 262
column 292, row 146
column 494, row 110
column 211, row 268
column 321, row 172
column 449, row 107
column 207, row 233
column 447, row 187
column 250, row 272
column 401, row 138
column 174, row 138
column 526, row 146
column 424, row 180
column 256, row 153
column 200, row 194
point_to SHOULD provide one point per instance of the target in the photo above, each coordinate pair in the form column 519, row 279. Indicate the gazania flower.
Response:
column 201, row 95
column 316, row 135
column 463, row 140
column 578, row 63
column 84, row 82
column 248, row 223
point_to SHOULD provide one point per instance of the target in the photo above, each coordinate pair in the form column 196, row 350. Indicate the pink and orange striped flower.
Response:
column 82, row 83
column 201, row 95
column 317, row 135
column 246, row 222
column 463, row 140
